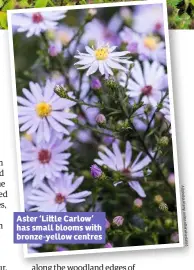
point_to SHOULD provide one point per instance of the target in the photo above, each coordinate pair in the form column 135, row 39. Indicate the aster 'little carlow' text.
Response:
column 54, row 218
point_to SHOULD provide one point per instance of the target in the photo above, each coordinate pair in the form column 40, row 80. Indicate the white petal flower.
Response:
column 36, row 22
column 149, row 81
column 149, row 19
column 44, row 159
column 53, row 197
column 118, row 161
column 166, row 109
column 42, row 109
column 103, row 58
column 147, row 46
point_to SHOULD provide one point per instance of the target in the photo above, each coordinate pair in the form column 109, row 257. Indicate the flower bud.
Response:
column 52, row 50
column 175, row 237
column 108, row 245
column 60, row 248
column 100, row 119
column 92, row 11
column 96, row 84
column 163, row 141
column 158, row 199
column 95, row 171
column 171, row 179
column 108, row 140
column 168, row 222
column 163, row 207
column 60, row 91
column 107, row 224
column 125, row 13
column 118, row 221
column 138, row 202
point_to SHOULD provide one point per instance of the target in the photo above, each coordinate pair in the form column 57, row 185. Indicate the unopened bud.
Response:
column 118, row 220
column 158, row 199
column 107, row 224
column 108, row 245
column 138, row 202
column 60, row 91
column 96, row 84
column 163, row 141
column 95, row 171
column 100, row 119
column 175, row 237
column 171, row 179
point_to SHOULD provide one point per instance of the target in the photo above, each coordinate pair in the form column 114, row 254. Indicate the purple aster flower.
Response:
column 54, row 196
column 60, row 248
column 108, row 245
column 149, row 81
column 32, row 248
column 152, row 15
column 98, row 32
column 166, row 109
column 96, row 172
column 146, row 45
column 108, row 140
column 117, row 161
column 41, row 109
column 107, row 224
column 118, row 221
column 45, row 159
column 35, row 23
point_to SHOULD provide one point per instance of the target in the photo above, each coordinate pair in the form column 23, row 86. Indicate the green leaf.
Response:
column 192, row 2
column 24, row 4
column 1, row 3
column 3, row 20
column 173, row 3
column 41, row 3
column 10, row 5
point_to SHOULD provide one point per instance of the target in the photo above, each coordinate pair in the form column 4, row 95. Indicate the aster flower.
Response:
column 147, row 46
column 36, row 22
column 103, row 58
column 118, row 161
column 53, row 197
column 149, row 81
column 149, row 19
column 108, row 245
column 107, row 224
column 166, row 109
column 42, row 109
column 60, row 37
column 44, row 159
column 32, row 248
column 99, row 32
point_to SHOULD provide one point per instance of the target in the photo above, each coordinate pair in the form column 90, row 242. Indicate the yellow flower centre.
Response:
column 63, row 37
column 151, row 42
column 28, row 136
column 43, row 109
column 102, row 53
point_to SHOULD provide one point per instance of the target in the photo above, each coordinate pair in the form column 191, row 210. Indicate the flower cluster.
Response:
column 94, row 119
